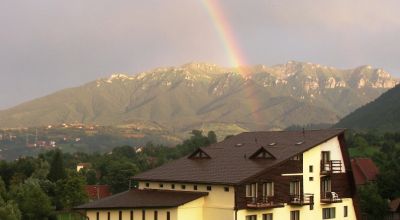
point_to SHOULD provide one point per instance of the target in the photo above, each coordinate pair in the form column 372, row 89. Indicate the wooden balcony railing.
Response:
column 305, row 199
column 330, row 197
column 262, row 203
column 332, row 166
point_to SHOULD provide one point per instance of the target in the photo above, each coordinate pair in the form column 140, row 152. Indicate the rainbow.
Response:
column 222, row 26
column 233, row 51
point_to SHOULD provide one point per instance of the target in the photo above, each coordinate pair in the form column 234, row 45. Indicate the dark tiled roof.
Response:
column 364, row 170
column 145, row 198
column 96, row 192
column 229, row 161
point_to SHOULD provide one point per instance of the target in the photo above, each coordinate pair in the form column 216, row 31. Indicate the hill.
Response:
column 198, row 95
column 382, row 114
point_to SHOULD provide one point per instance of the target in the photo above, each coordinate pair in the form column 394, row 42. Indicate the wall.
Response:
column 219, row 204
column 137, row 214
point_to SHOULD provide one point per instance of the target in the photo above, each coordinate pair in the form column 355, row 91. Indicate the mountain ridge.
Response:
column 195, row 94
column 381, row 114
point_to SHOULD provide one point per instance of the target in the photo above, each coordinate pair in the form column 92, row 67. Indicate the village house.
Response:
column 292, row 175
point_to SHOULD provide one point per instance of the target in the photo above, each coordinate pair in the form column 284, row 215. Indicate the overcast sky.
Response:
column 47, row 45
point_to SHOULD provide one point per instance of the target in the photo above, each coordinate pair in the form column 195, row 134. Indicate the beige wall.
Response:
column 137, row 214
column 218, row 204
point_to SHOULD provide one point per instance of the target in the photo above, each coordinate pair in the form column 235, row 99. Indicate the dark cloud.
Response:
column 48, row 45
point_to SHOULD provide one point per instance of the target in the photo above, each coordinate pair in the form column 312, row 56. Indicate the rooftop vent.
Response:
column 272, row 144
column 239, row 144
column 300, row 142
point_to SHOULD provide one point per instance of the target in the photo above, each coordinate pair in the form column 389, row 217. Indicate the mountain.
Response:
column 382, row 114
column 196, row 95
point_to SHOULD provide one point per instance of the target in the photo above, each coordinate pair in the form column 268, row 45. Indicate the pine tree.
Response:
column 57, row 170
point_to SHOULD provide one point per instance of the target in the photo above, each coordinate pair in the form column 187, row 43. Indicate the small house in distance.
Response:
column 364, row 170
column 96, row 192
column 294, row 175
column 80, row 166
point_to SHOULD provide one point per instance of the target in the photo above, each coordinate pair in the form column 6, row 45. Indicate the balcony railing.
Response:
column 262, row 203
column 332, row 166
column 305, row 199
column 330, row 197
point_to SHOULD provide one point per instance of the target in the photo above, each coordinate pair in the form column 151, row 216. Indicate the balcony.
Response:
column 300, row 200
column 262, row 203
column 330, row 197
column 331, row 166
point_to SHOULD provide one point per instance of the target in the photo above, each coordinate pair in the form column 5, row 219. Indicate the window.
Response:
column 161, row 185
column 155, row 215
column 326, row 187
column 310, row 168
column 108, row 215
column 131, row 215
column 143, row 214
column 172, row 186
column 120, row 215
column 345, row 211
column 328, row 213
column 268, row 189
column 195, row 187
column 147, row 184
column 267, row 216
column 97, row 216
column 251, row 190
column 168, row 216
column 325, row 156
column 226, row 189
column 251, row 217
column 183, row 186
column 295, row 188
column 295, row 215
column 311, row 178
column 208, row 188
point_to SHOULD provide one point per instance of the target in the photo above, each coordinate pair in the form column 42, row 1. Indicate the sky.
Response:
column 48, row 45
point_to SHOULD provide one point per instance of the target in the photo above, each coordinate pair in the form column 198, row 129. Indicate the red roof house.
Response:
column 96, row 192
column 364, row 170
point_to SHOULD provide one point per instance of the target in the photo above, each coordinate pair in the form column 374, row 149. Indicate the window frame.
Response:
column 295, row 215
column 329, row 213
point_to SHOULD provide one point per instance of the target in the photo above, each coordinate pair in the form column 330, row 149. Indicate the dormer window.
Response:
column 199, row 154
column 262, row 153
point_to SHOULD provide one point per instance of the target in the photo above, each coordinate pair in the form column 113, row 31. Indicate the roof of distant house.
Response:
column 96, row 192
column 394, row 205
column 364, row 170
column 236, row 158
column 144, row 198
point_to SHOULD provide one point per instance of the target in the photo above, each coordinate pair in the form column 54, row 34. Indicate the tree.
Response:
column 372, row 203
column 118, row 175
column 32, row 201
column 70, row 191
column 212, row 137
column 9, row 210
column 57, row 170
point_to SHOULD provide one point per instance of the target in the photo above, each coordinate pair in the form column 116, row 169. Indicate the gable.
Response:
column 262, row 153
column 199, row 154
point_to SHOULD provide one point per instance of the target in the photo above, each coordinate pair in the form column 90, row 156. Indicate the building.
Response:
column 394, row 209
column 293, row 175
column 364, row 170
column 80, row 166
column 96, row 192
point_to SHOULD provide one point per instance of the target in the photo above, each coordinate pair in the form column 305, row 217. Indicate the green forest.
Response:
column 42, row 187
